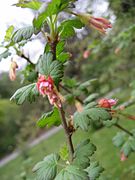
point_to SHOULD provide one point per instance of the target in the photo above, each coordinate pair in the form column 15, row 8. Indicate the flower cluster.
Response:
column 46, row 86
column 107, row 103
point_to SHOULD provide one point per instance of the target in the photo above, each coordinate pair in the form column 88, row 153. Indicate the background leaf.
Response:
column 33, row 4
column 49, row 119
column 119, row 139
column 9, row 33
column 4, row 55
column 28, row 92
column 23, row 34
column 126, row 148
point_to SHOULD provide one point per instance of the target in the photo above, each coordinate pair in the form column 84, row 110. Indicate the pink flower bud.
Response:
column 123, row 157
column 107, row 103
column 86, row 54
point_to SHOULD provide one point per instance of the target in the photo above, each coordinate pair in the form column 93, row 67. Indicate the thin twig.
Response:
column 27, row 59
column 123, row 129
column 67, row 90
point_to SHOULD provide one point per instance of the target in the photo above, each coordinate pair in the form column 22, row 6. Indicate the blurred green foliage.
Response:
column 10, row 117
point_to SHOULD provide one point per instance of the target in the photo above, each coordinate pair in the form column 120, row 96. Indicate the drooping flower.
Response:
column 123, row 157
column 101, row 24
column 12, row 70
column 107, row 103
column 46, row 86
column 98, row 23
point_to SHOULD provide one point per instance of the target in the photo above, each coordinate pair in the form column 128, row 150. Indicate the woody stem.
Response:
column 67, row 132
column 61, row 111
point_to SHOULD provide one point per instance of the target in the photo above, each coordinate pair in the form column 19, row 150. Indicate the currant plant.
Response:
column 47, row 79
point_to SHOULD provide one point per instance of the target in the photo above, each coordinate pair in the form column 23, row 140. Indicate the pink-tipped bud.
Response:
column 112, row 102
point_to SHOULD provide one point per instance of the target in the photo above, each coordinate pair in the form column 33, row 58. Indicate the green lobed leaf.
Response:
column 91, row 98
column 66, row 29
column 87, row 84
column 54, row 7
column 64, row 153
column 4, row 55
column 63, row 57
column 94, row 170
column 119, row 139
column 82, row 154
column 83, row 119
column 110, row 123
column 23, row 34
column 126, row 148
column 28, row 92
column 132, row 143
column 48, row 67
column 69, row 98
column 29, row 73
column 47, row 48
column 127, row 144
column 70, row 82
column 60, row 47
column 72, row 172
column 49, row 119
column 33, row 4
column 90, row 105
column 9, row 33
column 47, row 169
